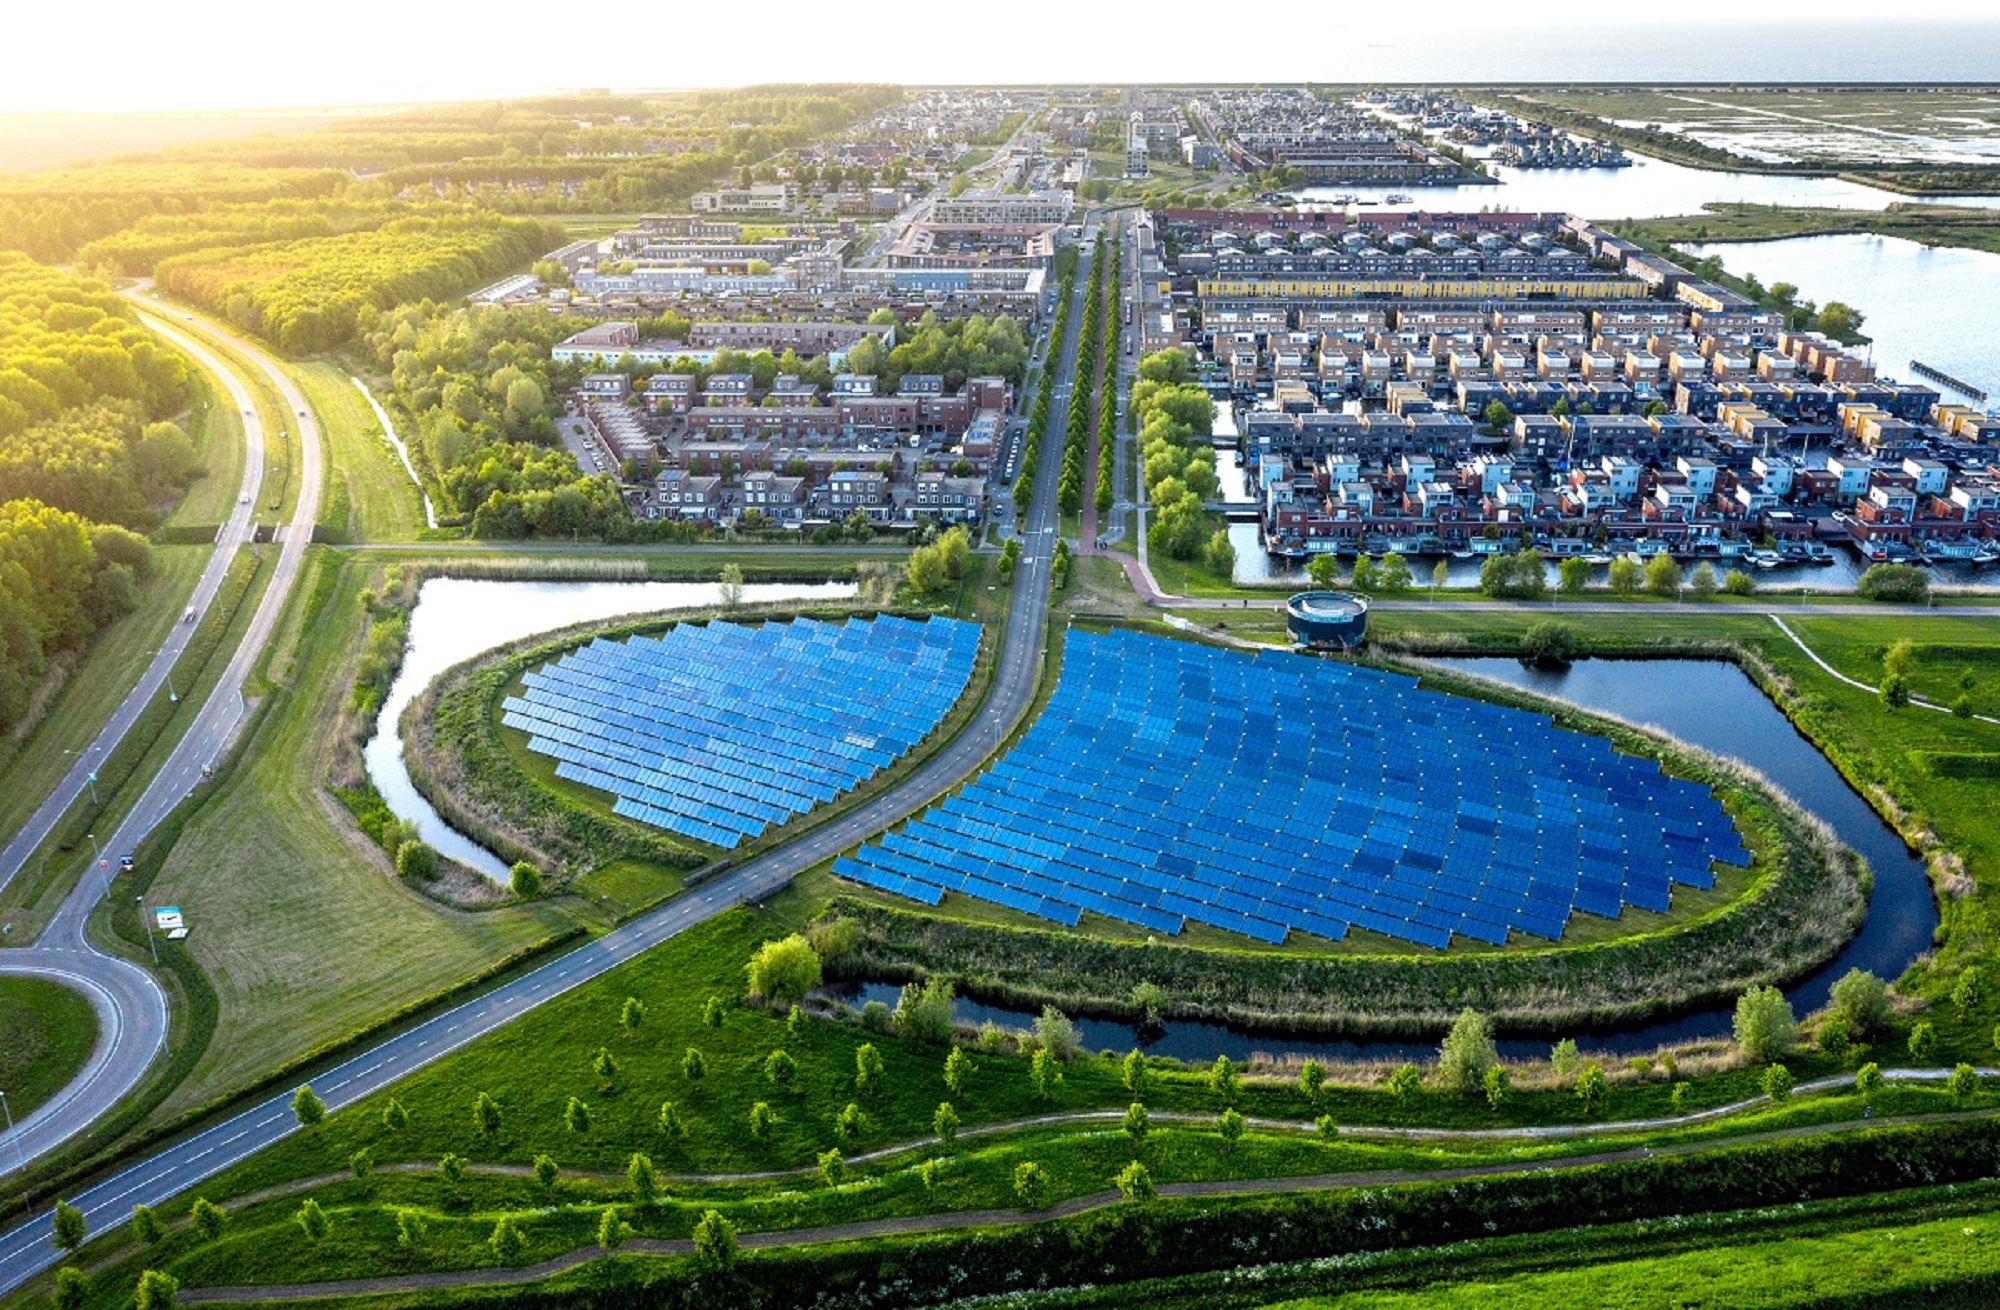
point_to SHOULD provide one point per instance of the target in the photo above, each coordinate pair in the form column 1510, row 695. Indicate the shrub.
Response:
column 780, row 1069
column 1590, row 1087
column 713, row 1011
column 416, row 862
column 361, row 1163
column 762, row 1119
column 612, row 1230
column 945, row 1123
column 1738, row 583
column 1312, row 1078
column 923, row 1011
column 1137, row 1122
column 506, row 1241
column 486, row 1115
column 312, row 1220
column 851, row 1122
column 715, row 1241
column 72, row 1289
column 1405, row 1082
column 1835, row 1036
column 1897, row 583
column 785, row 970
column 1923, row 1042
column 307, row 1107
column 146, row 1224
column 1550, row 643
column 1778, row 1082
column 1514, row 577
column 1964, row 1081
column 1135, row 1182
column 525, row 880
column 394, row 1117
column 1863, row 999
column 867, row 1068
column 672, row 1122
column 1056, row 1034
column 1043, row 1072
column 832, row 1166
column 1895, row 691
column 409, row 1229
column 1868, row 1079
column 1031, row 1185
column 452, row 1168
column 1764, row 1025
column 546, row 1171
column 1222, row 1077
column 957, row 1069
column 1702, row 582
column 1229, row 1127
column 875, row 1017
column 1563, row 1057
column 644, row 1178
column 208, row 1218
column 576, row 1115
column 70, row 1228
column 1968, row 989
column 1497, row 1085
column 155, row 1291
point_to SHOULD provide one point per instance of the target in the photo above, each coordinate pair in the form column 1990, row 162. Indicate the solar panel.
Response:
column 1166, row 781
column 719, row 731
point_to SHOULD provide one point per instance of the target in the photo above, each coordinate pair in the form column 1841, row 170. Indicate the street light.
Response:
column 173, row 697
column 91, row 775
column 140, row 901
column 20, row 1159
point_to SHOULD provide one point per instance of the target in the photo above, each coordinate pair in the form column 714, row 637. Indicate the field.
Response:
column 1932, row 225
column 305, row 933
column 370, row 496
column 50, row 1029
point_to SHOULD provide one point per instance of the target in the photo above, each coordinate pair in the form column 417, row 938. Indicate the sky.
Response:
column 127, row 56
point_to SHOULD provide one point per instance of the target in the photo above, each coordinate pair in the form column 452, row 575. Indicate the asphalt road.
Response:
column 131, row 1007
column 26, row 1250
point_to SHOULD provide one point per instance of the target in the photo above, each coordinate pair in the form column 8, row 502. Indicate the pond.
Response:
column 457, row 618
column 1707, row 702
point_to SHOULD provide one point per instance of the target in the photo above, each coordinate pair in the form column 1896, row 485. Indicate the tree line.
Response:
column 61, row 579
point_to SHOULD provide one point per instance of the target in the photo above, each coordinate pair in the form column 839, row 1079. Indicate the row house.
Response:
column 774, row 495
column 950, row 499
column 858, row 489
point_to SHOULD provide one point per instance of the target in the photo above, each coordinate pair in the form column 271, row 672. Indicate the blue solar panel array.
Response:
column 1168, row 781
column 717, row 731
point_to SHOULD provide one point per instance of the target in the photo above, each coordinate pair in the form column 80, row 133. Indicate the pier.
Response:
column 1924, row 370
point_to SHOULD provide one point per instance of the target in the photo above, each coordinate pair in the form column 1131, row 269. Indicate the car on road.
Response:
column 243, row 499
column 188, row 617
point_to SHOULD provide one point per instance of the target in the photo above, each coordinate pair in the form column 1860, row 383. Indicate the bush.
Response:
column 156, row 1291
column 506, row 1241
column 785, row 970
column 1056, row 1034
column 525, row 880
column 1923, row 1042
column 1466, row 1054
column 1031, row 1185
column 307, row 1107
column 1863, row 999
column 312, row 1220
column 1518, row 576
column 1738, row 583
column 1550, row 643
column 1135, row 1182
column 923, row 1011
column 1778, row 1082
column 416, row 862
column 1895, row 583
column 715, row 1241
column 208, row 1218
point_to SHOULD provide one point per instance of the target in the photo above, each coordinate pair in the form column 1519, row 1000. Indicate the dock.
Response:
column 1924, row 370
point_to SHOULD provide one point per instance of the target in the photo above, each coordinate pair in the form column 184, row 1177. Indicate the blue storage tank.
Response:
column 1323, row 619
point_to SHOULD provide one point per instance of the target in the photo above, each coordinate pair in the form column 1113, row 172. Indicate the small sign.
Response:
column 168, row 917
column 177, row 934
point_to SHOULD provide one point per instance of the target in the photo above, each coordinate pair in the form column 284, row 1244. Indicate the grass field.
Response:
column 50, row 1031
column 303, row 930
column 1932, row 225
column 217, row 432
column 369, row 490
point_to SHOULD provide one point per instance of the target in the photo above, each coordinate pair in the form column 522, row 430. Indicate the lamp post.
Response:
column 103, row 865
column 20, row 1159
column 173, row 697
column 154, row 945
column 90, row 775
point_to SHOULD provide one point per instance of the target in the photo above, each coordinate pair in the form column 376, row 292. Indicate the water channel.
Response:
column 1706, row 702
column 457, row 618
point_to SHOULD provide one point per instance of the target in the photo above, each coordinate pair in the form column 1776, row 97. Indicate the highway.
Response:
column 131, row 1007
column 26, row 1250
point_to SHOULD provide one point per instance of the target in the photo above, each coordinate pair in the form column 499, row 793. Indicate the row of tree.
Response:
column 1174, row 417
column 61, row 579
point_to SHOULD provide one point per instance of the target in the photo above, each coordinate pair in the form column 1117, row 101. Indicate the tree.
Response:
column 713, row 1011
column 72, row 1289
column 867, row 1068
column 1133, row 1071
column 925, row 570
column 409, row 1229
column 1135, row 1182
column 394, row 1117
column 1497, row 1084
column 1467, row 1053
column 1042, row 1070
column 1440, row 574
column 146, row 1224
column 1519, row 576
column 69, row 1224
column 525, row 880
column 1835, row 1035
column 1323, row 569
column 1677, row 1101
column 307, row 1107
column 795, row 1022
column 945, row 1123
column 1703, row 582
column 546, row 1171
column 715, row 1241
column 1563, row 1057
column 506, row 1241
column 762, row 1119
column 850, row 1123
column 312, row 1220
column 576, row 1115
column 1312, row 1077
column 1841, row 321
column 1964, row 1081
column 1497, row 415
column 361, row 1164
column 1363, row 576
column 672, row 1122
column 486, row 1115
column 1393, row 574
column 416, row 862
column 923, row 1011
column 644, row 1178
column 1056, row 1034
column 1404, row 1082
column 612, row 1230
column 832, row 1166
column 1899, row 659
column 1895, row 692
column 1137, row 1122
column 155, row 1291
column 1778, row 1082
column 1572, row 576
column 1868, row 1079
column 1738, row 583
column 780, row 1069
column 1923, row 1042
column 957, row 1068
column 1590, row 1088
column 1031, row 1185
column 729, row 590
column 451, row 1167
column 694, row 1065
column 1229, row 1126
column 1765, row 1026
column 1627, row 575
column 784, row 971
column 1968, row 989
column 209, row 1219
column 631, row 1014
column 1663, row 576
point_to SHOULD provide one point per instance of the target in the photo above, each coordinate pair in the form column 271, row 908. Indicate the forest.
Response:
column 67, row 341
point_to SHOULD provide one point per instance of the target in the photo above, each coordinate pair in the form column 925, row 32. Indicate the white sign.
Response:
column 168, row 917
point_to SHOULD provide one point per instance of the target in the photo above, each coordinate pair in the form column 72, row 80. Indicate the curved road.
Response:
column 26, row 1250
column 131, row 1008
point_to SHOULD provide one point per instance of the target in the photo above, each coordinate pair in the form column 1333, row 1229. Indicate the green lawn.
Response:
column 369, row 491
column 217, row 432
column 50, row 1032
column 304, row 932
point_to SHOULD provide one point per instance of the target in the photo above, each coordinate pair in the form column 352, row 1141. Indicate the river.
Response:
column 457, row 618
column 1709, row 703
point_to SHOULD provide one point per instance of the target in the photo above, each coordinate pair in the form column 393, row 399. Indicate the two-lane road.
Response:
column 25, row 1249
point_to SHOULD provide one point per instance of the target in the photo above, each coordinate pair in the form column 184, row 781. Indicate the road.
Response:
column 131, row 1007
column 25, row 1249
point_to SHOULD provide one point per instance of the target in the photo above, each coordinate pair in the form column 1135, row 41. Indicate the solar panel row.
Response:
column 1167, row 782
column 718, row 731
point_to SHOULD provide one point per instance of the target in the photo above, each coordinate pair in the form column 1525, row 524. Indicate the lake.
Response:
column 1707, row 702
column 457, row 618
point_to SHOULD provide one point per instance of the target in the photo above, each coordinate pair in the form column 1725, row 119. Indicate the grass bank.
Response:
column 50, row 1032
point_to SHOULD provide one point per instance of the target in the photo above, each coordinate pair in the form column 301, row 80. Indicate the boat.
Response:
column 1465, row 552
column 1398, row 198
column 1818, row 552
column 1730, row 548
column 1766, row 559
column 1596, row 559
